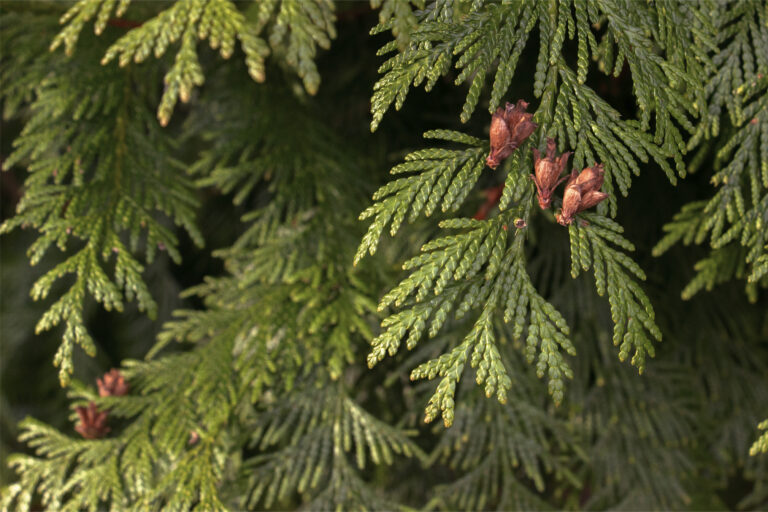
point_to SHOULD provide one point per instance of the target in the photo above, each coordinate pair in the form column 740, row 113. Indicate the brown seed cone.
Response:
column 510, row 126
column 591, row 178
column 499, row 139
column 582, row 192
column 547, row 172
column 571, row 201
column 519, row 123
column 591, row 199
column 112, row 384
column 93, row 424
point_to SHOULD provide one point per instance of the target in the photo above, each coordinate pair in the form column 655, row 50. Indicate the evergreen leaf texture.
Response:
column 261, row 288
column 297, row 29
column 733, row 220
column 448, row 269
column 106, row 186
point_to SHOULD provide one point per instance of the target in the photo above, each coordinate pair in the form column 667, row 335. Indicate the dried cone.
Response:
column 93, row 424
column 499, row 139
column 582, row 192
column 510, row 126
column 112, row 384
column 591, row 178
column 571, row 203
column 519, row 122
column 547, row 172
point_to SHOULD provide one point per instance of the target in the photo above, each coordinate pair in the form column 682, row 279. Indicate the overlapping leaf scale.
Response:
column 481, row 38
column 444, row 177
column 616, row 274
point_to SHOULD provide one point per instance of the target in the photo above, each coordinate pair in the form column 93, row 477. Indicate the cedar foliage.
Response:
column 146, row 131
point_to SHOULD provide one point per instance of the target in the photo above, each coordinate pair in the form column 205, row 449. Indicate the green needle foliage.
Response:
column 297, row 28
column 734, row 219
column 484, row 37
column 496, row 467
column 136, row 133
column 314, row 431
column 631, row 310
column 108, row 174
column 761, row 445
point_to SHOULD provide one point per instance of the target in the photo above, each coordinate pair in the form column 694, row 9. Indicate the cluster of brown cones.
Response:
column 510, row 126
column 582, row 191
column 92, row 422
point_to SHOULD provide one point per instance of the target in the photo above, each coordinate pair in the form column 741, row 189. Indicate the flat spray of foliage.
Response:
column 261, row 410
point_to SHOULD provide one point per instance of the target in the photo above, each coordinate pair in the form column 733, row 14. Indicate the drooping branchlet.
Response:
column 93, row 424
column 582, row 192
column 510, row 126
column 547, row 172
